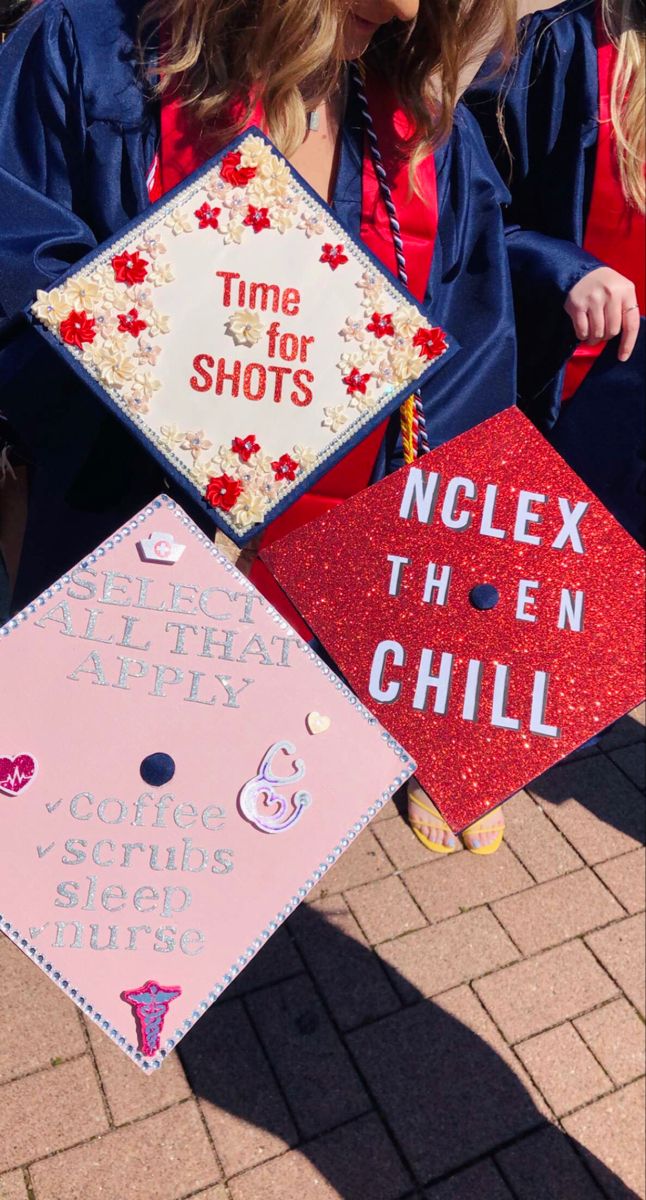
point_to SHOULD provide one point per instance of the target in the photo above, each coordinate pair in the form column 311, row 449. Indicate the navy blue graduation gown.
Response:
column 551, row 112
column 77, row 136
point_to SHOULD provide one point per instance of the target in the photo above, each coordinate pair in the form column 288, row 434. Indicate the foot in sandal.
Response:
column 485, row 836
column 426, row 822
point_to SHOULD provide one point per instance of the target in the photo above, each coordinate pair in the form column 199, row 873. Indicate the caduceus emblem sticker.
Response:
column 263, row 805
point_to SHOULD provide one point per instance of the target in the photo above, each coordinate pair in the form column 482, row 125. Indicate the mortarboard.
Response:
column 177, row 770
column 242, row 334
column 483, row 603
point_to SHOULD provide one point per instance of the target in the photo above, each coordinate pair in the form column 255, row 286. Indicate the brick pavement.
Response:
column 423, row 1029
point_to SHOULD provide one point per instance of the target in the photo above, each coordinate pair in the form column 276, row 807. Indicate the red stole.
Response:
column 181, row 154
column 615, row 231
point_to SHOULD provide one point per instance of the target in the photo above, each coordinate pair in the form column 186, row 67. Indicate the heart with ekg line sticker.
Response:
column 17, row 773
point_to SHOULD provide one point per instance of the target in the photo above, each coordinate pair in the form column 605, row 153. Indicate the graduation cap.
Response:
column 242, row 335
column 483, row 604
column 177, row 770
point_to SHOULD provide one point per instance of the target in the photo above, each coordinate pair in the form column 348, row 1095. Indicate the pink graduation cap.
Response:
column 483, row 604
column 177, row 771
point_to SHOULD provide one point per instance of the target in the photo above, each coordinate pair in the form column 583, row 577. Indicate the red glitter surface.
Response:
column 337, row 573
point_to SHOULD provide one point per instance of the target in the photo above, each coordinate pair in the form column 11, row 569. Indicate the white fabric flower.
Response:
column 171, row 436
column 407, row 320
column 307, row 457
column 217, row 189
column 147, row 352
column 147, row 384
column 281, row 218
column 384, row 374
column 234, row 232
column 254, row 152
column 158, row 323
column 196, row 443
column 110, row 292
column 245, row 327
column 405, row 363
column 371, row 284
column 138, row 404
column 236, row 202
column 151, row 246
column 50, row 307
column 335, row 418
column 81, row 292
column 142, row 298
column 178, row 222
column 160, row 274
column 354, row 330
column 272, row 181
column 252, row 509
column 312, row 225
column 363, row 402
column 106, row 323
column 113, row 368
column 224, row 461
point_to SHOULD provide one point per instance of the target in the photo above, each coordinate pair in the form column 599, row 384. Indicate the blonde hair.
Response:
column 220, row 56
column 624, row 23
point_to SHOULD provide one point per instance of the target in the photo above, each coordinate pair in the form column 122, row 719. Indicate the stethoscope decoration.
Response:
column 265, row 807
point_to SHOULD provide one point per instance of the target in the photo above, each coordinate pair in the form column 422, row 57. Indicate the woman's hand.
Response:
column 603, row 305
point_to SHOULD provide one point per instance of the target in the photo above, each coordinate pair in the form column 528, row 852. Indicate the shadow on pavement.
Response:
column 271, row 1054
column 591, row 780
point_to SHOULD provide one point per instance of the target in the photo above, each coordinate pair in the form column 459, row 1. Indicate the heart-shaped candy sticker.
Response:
column 316, row 723
column 17, row 773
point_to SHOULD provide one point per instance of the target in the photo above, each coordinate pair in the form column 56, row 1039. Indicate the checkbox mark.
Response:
column 43, row 850
column 36, row 930
column 53, row 806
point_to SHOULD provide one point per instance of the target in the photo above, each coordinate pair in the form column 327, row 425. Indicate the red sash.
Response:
column 181, row 154
column 615, row 231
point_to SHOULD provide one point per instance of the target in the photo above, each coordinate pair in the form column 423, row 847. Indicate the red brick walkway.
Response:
column 424, row 1029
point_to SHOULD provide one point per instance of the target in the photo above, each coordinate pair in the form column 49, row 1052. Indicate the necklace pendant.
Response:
column 314, row 121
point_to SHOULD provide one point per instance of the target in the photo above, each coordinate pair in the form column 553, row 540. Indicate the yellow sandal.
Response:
column 483, row 851
column 417, row 826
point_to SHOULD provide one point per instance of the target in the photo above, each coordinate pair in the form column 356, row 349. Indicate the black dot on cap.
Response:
column 484, row 596
column 157, row 769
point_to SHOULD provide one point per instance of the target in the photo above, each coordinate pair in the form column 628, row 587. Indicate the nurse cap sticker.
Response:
column 483, row 604
column 129, row 865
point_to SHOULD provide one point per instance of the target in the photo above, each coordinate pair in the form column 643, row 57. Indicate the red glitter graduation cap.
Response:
column 485, row 606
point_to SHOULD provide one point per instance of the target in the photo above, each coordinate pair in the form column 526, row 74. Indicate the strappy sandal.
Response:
column 471, row 834
column 414, row 792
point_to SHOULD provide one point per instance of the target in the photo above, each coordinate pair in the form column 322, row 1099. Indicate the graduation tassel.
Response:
column 412, row 419
column 409, row 441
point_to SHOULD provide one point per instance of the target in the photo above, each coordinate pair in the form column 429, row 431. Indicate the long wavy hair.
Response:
column 219, row 56
column 626, row 28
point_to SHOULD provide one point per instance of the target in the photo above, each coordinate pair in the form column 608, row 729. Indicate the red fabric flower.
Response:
column 356, row 382
column 77, row 329
column 245, row 447
column 130, row 268
column 334, row 255
column 233, row 173
column 431, row 342
column 131, row 323
column 285, row 468
column 258, row 218
column 222, row 492
column 207, row 216
column 381, row 325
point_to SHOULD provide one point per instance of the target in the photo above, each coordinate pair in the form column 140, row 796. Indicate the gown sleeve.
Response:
column 42, row 156
column 539, row 123
column 469, row 294
column 68, row 177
